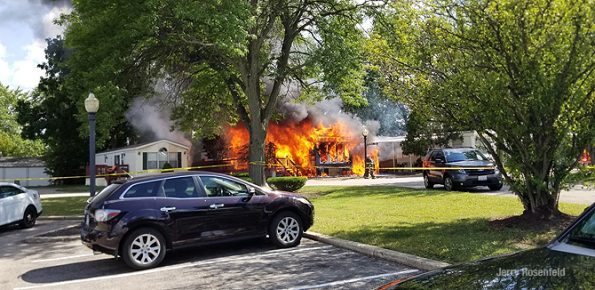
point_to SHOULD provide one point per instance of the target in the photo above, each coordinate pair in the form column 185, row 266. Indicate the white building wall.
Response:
column 11, row 173
column 134, row 156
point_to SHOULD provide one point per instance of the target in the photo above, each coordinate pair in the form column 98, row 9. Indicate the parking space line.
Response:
column 336, row 283
column 61, row 258
column 180, row 266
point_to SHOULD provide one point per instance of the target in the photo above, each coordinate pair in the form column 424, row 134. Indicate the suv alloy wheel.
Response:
column 286, row 230
column 144, row 248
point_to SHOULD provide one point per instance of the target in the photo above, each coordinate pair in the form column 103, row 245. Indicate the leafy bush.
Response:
column 240, row 174
column 243, row 175
column 289, row 183
column 167, row 168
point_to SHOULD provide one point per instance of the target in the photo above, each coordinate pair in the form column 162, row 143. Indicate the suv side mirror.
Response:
column 251, row 193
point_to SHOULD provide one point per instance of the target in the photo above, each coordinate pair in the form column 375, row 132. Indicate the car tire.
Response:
column 427, row 183
column 495, row 186
column 449, row 183
column 286, row 230
column 144, row 248
column 29, row 218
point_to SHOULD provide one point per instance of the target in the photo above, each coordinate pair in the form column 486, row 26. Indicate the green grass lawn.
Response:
column 436, row 224
column 64, row 206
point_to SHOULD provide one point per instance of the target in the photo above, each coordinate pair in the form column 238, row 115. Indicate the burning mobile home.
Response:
column 304, row 148
column 312, row 140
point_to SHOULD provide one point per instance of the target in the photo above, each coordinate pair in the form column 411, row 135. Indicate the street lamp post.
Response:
column 91, row 106
column 365, row 134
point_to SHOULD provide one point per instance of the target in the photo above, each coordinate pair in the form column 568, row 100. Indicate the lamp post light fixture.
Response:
column 91, row 106
column 365, row 134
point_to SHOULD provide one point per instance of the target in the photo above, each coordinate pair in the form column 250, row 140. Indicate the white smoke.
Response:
column 153, row 117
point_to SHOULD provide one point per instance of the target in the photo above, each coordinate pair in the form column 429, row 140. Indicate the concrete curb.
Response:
column 377, row 252
column 59, row 217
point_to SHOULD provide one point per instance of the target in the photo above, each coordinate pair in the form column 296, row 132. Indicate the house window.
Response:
column 156, row 160
column 117, row 160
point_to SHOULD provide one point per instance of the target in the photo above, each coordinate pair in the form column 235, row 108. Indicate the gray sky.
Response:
column 24, row 26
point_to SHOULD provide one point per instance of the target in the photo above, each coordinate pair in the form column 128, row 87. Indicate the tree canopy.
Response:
column 518, row 72
column 11, row 141
column 218, row 61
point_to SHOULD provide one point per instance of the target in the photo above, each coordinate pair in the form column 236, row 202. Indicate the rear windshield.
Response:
column 467, row 155
column 105, row 193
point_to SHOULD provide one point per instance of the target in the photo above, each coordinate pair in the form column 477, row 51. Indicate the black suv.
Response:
column 142, row 218
column 470, row 168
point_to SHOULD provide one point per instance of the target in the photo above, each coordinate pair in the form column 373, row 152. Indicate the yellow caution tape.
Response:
column 119, row 174
column 253, row 163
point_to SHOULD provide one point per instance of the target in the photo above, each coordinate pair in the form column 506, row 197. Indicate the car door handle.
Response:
column 216, row 205
column 168, row 208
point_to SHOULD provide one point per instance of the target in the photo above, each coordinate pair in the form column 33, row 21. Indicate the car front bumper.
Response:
column 465, row 180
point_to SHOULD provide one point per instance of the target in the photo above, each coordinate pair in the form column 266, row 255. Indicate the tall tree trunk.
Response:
column 256, row 152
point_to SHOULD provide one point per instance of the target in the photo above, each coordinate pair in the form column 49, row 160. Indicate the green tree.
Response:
column 218, row 60
column 519, row 72
column 390, row 114
column 53, row 114
column 423, row 133
column 11, row 142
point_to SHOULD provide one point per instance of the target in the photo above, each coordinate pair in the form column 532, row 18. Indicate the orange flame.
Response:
column 293, row 145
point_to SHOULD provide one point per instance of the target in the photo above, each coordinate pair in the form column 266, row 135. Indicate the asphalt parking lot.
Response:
column 30, row 261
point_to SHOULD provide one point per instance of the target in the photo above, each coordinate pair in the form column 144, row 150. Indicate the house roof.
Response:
column 7, row 162
column 146, row 144
column 388, row 139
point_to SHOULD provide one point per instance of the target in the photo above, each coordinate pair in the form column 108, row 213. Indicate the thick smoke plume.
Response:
column 151, row 117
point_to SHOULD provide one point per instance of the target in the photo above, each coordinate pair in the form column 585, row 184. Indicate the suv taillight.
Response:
column 104, row 215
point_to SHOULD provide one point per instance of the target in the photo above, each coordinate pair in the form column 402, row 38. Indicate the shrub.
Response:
column 167, row 168
column 243, row 175
column 240, row 174
column 289, row 183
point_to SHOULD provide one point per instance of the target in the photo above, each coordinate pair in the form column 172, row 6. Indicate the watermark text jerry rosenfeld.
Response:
column 553, row 272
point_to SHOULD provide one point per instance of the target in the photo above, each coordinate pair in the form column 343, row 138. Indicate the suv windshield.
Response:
column 460, row 155
column 584, row 232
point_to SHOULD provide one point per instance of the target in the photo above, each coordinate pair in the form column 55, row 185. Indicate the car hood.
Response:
column 470, row 163
column 285, row 194
column 559, row 270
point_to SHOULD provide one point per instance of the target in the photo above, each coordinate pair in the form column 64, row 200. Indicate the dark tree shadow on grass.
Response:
column 454, row 242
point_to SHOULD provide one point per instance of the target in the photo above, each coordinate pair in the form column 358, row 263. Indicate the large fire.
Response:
column 293, row 145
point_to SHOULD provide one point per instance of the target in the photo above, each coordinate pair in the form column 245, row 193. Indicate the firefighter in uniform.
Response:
column 369, row 168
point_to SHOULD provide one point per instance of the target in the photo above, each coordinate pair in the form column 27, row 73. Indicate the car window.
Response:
column 147, row 189
column 217, row 186
column 183, row 187
column 584, row 232
column 432, row 156
column 7, row 190
column 454, row 156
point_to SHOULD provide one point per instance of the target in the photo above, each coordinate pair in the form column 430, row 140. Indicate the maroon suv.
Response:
column 142, row 218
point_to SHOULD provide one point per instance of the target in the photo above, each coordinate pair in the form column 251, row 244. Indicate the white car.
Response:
column 18, row 205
